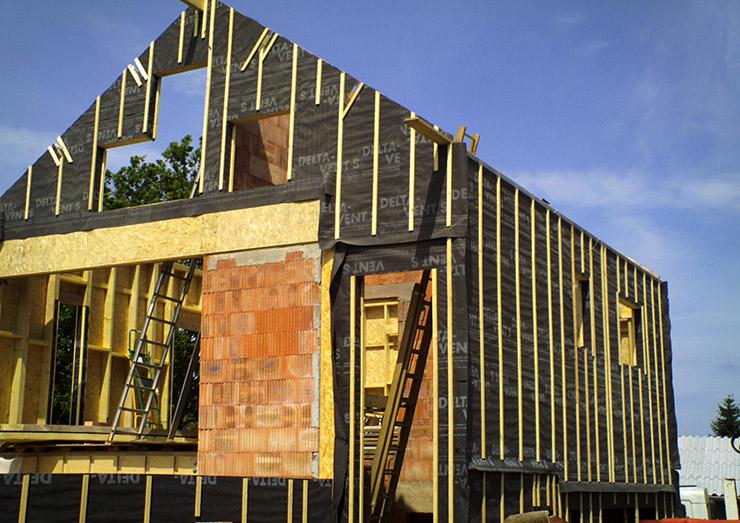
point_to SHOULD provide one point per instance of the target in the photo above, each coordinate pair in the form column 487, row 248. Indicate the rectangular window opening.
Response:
column 628, row 327
column 259, row 151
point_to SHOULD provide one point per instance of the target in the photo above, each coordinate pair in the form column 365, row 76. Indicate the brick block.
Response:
column 268, row 465
column 296, row 465
column 296, row 255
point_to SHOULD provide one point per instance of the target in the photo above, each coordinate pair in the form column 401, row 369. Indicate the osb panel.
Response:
column 7, row 365
column 33, row 378
column 38, row 307
column 326, row 424
column 119, row 371
column 260, row 364
column 97, row 315
column 96, row 362
column 9, row 306
column 120, row 323
column 252, row 228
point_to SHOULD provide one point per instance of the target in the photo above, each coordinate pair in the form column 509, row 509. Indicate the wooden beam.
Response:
column 200, row 5
column 426, row 129
column 108, row 324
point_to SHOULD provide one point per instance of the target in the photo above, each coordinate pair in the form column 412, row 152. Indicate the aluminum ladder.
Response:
column 145, row 374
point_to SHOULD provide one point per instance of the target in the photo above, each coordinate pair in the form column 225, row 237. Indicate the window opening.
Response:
column 183, row 346
column 161, row 173
column 581, row 304
column 259, row 151
column 628, row 326
column 66, row 404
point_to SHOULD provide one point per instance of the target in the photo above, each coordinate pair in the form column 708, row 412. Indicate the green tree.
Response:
column 727, row 422
column 168, row 178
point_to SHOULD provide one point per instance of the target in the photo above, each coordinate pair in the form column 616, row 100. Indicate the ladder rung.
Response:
column 160, row 344
column 173, row 275
column 142, row 387
column 147, row 365
column 168, row 298
column 162, row 320
column 131, row 409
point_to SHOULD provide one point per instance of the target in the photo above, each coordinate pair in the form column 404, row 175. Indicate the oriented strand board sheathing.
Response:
column 259, row 408
column 251, row 228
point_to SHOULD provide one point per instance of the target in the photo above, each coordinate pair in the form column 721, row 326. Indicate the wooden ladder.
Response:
column 391, row 440
column 145, row 374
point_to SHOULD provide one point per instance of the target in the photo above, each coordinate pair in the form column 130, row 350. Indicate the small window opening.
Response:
column 627, row 334
column 581, row 307
column 260, row 152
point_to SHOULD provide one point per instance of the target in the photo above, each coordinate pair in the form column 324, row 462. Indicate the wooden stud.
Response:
column 93, row 163
column 23, row 508
column 586, row 388
column 134, row 75
column 198, row 19
column 182, row 38
column 198, row 496
column 58, row 200
column 148, row 500
column 319, row 67
column 245, row 498
column 449, row 186
column 533, row 236
column 632, row 425
column 290, row 501
column 583, row 254
column 648, row 372
column 566, row 458
column 592, row 311
column 83, row 497
column 550, row 330
column 225, row 113
column 260, row 61
column 483, row 503
column 157, row 98
column 412, row 174
column 304, row 507
column 665, row 401
column 352, row 389
column 63, row 149
column 204, row 18
column 519, row 377
column 203, row 146
column 481, row 321
column 232, row 157
column 23, row 325
column 29, row 177
column 108, row 324
column 661, row 427
column 435, row 394
column 431, row 132
column 101, row 193
column 363, row 381
column 376, row 155
column 354, row 93
column 501, row 502
column 624, row 429
column 291, row 130
column 122, row 102
column 521, row 493
column 499, row 322
column 149, row 82
column 577, row 362
column 450, row 392
column 607, row 362
column 642, row 432
column 257, row 45
column 340, row 139
column 54, row 156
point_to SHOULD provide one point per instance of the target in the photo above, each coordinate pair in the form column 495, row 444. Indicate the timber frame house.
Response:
column 387, row 324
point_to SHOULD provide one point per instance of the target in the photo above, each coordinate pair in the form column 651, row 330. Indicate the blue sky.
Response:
column 625, row 116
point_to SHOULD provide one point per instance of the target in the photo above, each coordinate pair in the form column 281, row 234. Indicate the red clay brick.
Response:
column 296, row 255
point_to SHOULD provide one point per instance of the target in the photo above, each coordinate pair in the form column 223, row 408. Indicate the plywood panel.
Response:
column 179, row 238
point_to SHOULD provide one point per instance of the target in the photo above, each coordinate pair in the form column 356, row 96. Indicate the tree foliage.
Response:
column 727, row 422
column 168, row 178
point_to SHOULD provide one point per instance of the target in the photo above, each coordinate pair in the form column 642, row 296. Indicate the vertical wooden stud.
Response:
column 566, row 458
column 435, row 393
column 481, row 319
column 291, row 130
column 319, row 64
column 352, row 389
column 535, row 340
column 209, row 73
column 93, row 163
column 550, row 327
column 225, row 114
column 412, row 174
column 499, row 323
column 376, row 154
column 340, row 139
column 519, row 377
column 450, row 392
column 149, row 82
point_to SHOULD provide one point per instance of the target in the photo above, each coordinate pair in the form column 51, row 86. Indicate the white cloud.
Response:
column 572, row 18
column 20, row 148
column 631, row 189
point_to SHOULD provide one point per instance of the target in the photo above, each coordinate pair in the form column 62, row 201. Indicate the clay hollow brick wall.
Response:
column 259, row 383
column 261, row 156
column 418, row 460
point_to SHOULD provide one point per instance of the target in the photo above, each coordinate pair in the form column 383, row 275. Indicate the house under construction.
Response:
column 383, row 325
